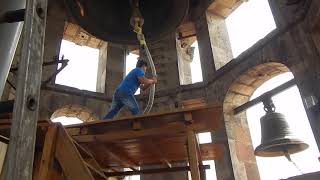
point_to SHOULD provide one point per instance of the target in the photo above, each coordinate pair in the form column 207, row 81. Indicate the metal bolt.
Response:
column 31, row 103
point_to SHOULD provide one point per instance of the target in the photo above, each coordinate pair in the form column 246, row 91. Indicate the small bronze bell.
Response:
column 276, row 137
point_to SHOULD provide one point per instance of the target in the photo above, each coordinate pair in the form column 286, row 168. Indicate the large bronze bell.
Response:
column 109, row 20
column 276, row 136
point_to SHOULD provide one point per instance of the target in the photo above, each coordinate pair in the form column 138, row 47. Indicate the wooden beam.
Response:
column 265, row 95
column 188, row 117
column 21, row 150
column 69, row 158
column 151, row 171
column 202, row 171
column 158, row 152
column 120, row 157
column 193, row 156
column 46, row 163
column 131, row 134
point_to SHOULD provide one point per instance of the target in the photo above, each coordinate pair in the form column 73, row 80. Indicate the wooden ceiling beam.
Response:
column 157, row 151
column 152, row 171
column 119, row 156
column 132, row 134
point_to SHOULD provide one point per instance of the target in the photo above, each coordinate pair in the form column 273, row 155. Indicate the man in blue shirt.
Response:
column 124, row 94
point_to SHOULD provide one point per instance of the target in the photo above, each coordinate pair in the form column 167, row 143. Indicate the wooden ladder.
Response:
column 75, row 161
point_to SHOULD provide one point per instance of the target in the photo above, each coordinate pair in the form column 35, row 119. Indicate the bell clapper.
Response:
column 287, row 155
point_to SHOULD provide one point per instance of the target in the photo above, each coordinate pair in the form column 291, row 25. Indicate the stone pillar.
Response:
column 205, row 48
column 219, row 38
column 115, row 70
column 214, row 44
column 223, row 165
column 54, row 35
column 102, row 67
column 165, row 58
column 185, row 57
column 275, row 9
column 307, row 75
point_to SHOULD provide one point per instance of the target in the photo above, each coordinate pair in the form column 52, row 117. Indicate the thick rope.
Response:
column 137, row 21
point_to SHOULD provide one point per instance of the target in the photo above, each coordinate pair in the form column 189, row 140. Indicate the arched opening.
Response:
column 239, row 140
column 244, row 133
column 288, row 103
column 73, row 114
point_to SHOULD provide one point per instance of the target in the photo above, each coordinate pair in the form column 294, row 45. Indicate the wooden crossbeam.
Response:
column 193, row 156
column 120, row 157
column 69, row 158
column 132, row 134
column 47, row 158
column 158, row 152
column 152, row 171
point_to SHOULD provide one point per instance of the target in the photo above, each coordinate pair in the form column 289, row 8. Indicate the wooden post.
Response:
column 193, row 156
column 19, row 161
column 69, row 157
column 47, row 159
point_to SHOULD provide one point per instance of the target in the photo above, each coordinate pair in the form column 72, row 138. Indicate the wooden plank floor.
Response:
column 158, row 138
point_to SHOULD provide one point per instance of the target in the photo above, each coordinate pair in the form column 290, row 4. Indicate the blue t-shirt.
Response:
column 130, row 83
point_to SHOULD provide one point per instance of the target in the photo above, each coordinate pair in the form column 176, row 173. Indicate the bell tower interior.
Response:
column 51, row 109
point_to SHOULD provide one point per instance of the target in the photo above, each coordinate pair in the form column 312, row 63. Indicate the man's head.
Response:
column 142, row 64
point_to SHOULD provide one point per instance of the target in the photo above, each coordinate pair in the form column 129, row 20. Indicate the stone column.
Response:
column 214, row 44
column 54, row 35
column 115, row 69
column 219, row 38
column 165, row 58
column 205, row 48
column 102, row 68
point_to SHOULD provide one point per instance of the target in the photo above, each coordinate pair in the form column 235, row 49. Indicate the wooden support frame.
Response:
column 69, row 158
column 47, row 158
column 158, row 153
column 193, row 156
column 122, row 159
column 20, row 156
column 117, row 136
column 152, row 171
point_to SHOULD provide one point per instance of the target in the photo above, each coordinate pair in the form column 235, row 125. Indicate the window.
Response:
column 249, row 23
column 189, row 61
column 131, row 61
column 81, row 71
column 289, row 103
column 196, row 71
column 135, row 177
column 204, row 137
column 67, row 120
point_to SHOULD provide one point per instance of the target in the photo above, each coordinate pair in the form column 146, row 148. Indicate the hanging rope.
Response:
column 136, row 22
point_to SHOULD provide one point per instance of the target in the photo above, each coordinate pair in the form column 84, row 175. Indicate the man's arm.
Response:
column 144, row 87
column 145, row 81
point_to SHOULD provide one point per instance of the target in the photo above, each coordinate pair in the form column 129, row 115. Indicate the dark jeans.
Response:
column 119, row 100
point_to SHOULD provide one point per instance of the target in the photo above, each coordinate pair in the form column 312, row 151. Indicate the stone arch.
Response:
column 77, row 111
column 237, row 129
